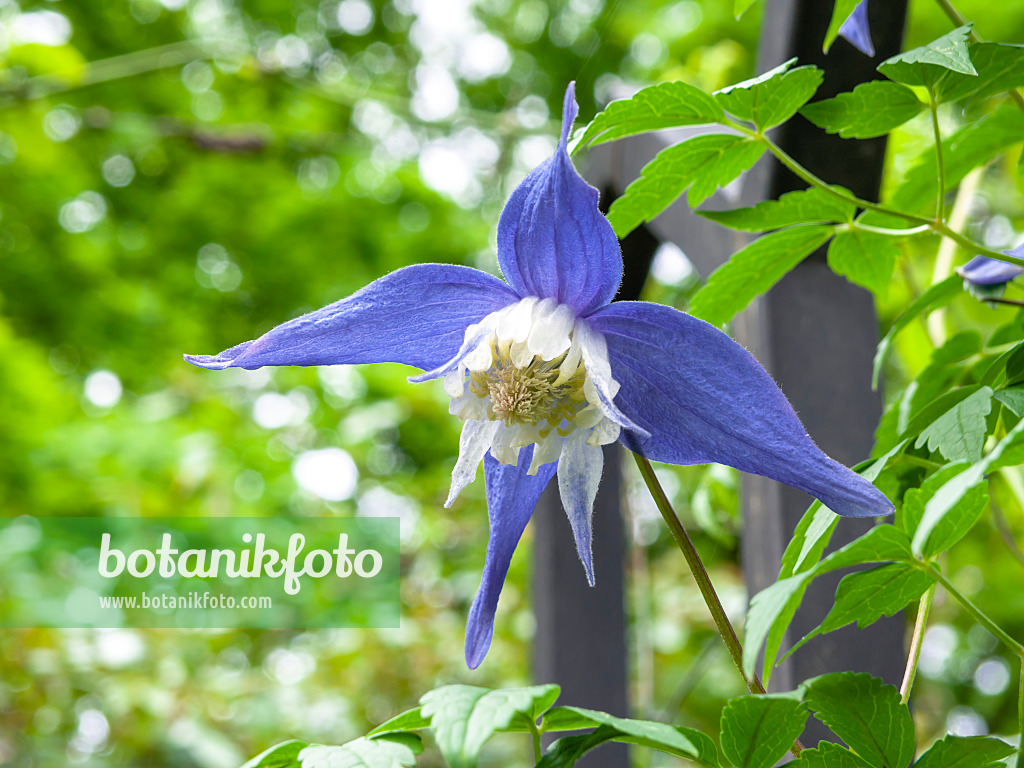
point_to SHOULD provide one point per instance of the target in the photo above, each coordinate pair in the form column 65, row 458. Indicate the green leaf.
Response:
column 567, row 750
column 1012, row 398
column 773, row 97
column 772, row 609
column 753, row 270
column 871, row 109
column 1000, row 68
column 866, row 714
column 805, row 206
column 949, row 496
column 938, row 295
column 976, row 144
column 701, row 164
column 758, row 730
column 959, row 433
column 840, row 13
column 665, row 105
column 867, row 596
column 827, row 755
column 864, row 258
column 396, row 750
column 464, row 717
column 927, row 64
column 740, row 6
column 675, row 740
column 412, row 720
column 965, row 752
column 283, row 755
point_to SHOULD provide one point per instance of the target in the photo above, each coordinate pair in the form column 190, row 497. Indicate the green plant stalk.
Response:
column 980, row 616
column 938, row 226
column 1020, row 714
column 940, row 204
column 923, row 609
column 700, row 575
column 535, row 733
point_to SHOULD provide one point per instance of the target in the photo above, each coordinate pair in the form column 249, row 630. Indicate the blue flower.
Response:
column 981, row 270
column 856, row 30
column 544, row 370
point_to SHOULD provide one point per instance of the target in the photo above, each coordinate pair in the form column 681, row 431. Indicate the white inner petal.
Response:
column 550, row 335
column 476, row 438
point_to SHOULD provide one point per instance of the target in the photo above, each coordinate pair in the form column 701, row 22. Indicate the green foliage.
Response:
column 805, row 206
column 929, row 63
column 754, row 270
column 283, row 755
column 871, row 109
column 771, row 98
column 758, row 730
column 464, row 717
column 700, row 165
column 864, row 258
column 396, row 750
column 866, row 714
column 959, row 433
column 960, row 752
column 1000, row 68
column 665, row 105
column 841, row 11
column 827, row 755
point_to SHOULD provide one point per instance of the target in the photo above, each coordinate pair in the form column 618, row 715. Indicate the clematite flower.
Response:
column 983, row 271
column 544, row 370
column 856, row 30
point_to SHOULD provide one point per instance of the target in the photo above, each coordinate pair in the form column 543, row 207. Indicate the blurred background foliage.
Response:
column 181, row 175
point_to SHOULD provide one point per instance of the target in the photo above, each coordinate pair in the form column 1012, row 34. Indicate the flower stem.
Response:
column 1020, row 713
column 923, row 609
column 535, row 733
column 940, row 205
column 980, row 616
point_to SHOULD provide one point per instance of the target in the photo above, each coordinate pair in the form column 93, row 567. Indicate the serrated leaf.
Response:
column 758, row 730
column 866, row 714
column 1000, row 68
column 283, row 755
column 753, row 270
column 827, row 755
column 965, row 752
column 956, row 523
column 840, row 13
column 960, row 433
column 871, row 109
column 567, row 750
column 464, row 717
column 772, row 609
column 805, row 206
column 866, row 596
column 926, row 65
column 772, row 98
column 700, row 165
column 949, row 496
column 976, row 144
column 864, row 258
column 393, row 751
column 665, row 105
column 938, row 295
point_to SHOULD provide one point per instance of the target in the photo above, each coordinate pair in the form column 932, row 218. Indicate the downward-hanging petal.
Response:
column 704, row 399
column 856, row 30
column 981, row 270
column 579, row 474
column 511, row 496
column 553, row 241
column 417, row 315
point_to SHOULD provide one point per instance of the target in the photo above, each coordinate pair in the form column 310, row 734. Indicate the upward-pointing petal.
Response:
column 553, row 242
column 856, row 30
column 417, row 315
column 704, row 398
column 512, row 494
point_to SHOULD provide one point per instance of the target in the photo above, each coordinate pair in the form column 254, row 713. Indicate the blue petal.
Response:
column 511, row 496
column 856, row 30
column 553, row 242
column 981, row 270
column 416, row 315
column 704, row 398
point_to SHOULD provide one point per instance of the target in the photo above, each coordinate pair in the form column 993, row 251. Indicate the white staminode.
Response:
column 532, row 373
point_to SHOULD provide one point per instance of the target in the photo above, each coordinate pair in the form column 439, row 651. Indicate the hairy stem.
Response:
column 940, row 204
column 700, row 575
column 923, row 609
column 980, row 616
